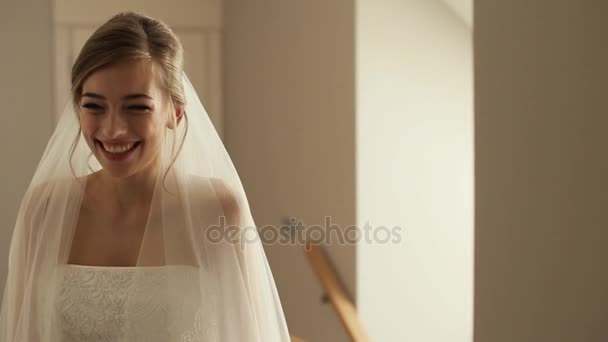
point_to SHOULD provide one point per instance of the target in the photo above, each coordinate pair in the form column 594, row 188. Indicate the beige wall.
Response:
column 415, row 170
column 541, row 171
column 26, row 98
column 289, row 127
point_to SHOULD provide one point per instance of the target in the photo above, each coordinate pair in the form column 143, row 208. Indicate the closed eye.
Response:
column 94, row 106
column 139, row 107
column 91, row 106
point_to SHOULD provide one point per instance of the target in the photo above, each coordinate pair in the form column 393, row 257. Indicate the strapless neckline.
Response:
column 135, row 303
column 127, row 268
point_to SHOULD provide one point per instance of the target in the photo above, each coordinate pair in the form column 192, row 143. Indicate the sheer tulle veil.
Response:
column 199, row 218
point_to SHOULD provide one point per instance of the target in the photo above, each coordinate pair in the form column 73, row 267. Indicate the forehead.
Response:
column 124, row 78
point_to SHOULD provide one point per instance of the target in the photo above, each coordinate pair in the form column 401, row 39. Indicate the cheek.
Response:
column 150, row 130
column 87, row 127
column 85, row 120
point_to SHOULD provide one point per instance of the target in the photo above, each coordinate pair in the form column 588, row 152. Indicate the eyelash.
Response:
column 94, row 106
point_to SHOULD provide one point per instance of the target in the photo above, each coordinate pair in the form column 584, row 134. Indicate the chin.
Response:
column 118, row 172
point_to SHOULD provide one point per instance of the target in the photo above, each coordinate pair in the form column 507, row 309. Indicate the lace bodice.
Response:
column 99, row 303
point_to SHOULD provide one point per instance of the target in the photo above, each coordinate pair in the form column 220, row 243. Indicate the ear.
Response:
column 179, row 115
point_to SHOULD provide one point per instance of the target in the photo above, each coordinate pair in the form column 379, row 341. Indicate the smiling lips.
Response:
column 118, row 148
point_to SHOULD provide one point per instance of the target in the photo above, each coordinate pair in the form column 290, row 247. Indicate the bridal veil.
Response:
column 199, row 218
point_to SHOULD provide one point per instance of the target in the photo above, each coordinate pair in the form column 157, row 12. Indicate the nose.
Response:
column 115, row 125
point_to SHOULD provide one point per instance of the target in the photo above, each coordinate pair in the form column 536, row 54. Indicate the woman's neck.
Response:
column 124, row 195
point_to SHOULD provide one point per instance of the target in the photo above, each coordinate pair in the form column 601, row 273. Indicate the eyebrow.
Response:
column 128, row 97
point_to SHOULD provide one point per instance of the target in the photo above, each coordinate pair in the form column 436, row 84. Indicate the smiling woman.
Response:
column 121, row 116
column 127, row 230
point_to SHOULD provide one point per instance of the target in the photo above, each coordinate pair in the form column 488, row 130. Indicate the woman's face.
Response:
column 122, row 116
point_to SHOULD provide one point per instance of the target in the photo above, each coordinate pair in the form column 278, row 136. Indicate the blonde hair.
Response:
column 132, row 36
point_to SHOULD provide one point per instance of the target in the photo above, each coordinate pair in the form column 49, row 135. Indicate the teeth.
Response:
column 118, row 149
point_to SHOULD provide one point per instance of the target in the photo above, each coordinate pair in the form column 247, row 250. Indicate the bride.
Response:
column 135, row 226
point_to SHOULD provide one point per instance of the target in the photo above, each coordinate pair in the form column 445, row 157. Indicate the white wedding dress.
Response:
column 195, row 203
column 91, row 302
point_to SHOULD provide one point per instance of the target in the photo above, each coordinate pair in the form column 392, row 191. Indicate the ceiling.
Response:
column 463, row 9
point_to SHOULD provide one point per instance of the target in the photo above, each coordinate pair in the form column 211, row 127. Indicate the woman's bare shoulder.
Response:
column 217, row 189
column 38, row 194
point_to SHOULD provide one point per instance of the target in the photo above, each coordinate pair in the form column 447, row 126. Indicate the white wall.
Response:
column 414, row 126
column 541, row 171
column 289, row 128
column 26, row 98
